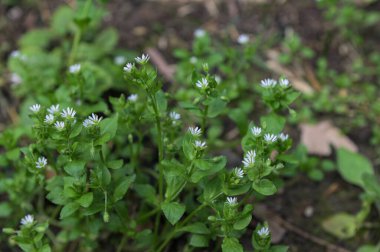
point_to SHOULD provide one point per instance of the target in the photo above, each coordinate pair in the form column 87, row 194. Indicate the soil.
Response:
column 170, row 24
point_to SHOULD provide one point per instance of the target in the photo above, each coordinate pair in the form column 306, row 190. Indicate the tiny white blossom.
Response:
column 263, row 232
column 203, row 83
column 87, row 123
column 195, row 131
column 95, row 118
column 41, row 162
column 249, row 158
column 270, row 138
column 35, row 108
column 200, row 144
column 199, row 33
column 53, row 109
column 218, row 79
column 49, row 118
column 231, row 201
column 74, row 68
column 193, row 60
column 68, row 113
column 128, row 67
column 256, row 131
column 267, row 83
column 119, row 60
column 284, row 83
column 239, row 172
column 59, row 125
column 133, row 97
column 143, row 59
column 283, row 136
column 243, row 39
column 28, row 219
column 174, row 116
column 15, row 79
column 15, row 54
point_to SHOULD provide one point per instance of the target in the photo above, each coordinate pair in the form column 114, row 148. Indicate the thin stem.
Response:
column 204, row 119
column 183, row 223
column 160, row 158
column 121, row 245
column 74, row 48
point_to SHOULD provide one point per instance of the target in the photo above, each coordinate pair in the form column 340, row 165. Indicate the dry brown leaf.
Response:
column 298, row 83
column 318, row 138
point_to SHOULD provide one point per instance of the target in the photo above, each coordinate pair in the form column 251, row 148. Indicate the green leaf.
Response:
column 106, row 40
column 69, row 209
column 115, row 164
column 86, row 199
column 175, row 177
column 243, row 222
column 109, row 126
column 146, row 192
column 216, row 163
column 75, row 168
column 353, row 166
column 188, row 146
column 368, row 248
column 199, row 241
column 62, row 19
column 162, row 102
column 273, row 123
column 5, row 210
column 265, row 187
column 122, row 188
column 231, row 245
column 215, row 107
column 173, row 211
column 279, row 248
column 195, row 228
column 341, row 225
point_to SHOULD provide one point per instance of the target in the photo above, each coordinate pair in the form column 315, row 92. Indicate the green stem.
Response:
column 183, row 223
column 121, row 245
column 204, row 119
column 74, row 48
column 160, row 158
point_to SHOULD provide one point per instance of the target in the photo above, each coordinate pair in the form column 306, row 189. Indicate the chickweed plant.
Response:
column 138, row 172
column 102, row 176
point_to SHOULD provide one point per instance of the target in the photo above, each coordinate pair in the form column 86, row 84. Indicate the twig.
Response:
column 262, row 212
column 159, row 61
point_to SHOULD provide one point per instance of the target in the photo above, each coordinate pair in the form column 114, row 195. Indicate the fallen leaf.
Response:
column 159, row 61
column 318, row 138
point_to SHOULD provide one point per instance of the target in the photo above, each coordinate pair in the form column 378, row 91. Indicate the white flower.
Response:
column 128, row 67
column 200, row 145
column 41, row 162
column 267, row 83
column 68, row 113
column 119, row 60
column 243, row 39
column 263, row 232
column 49, row 118
column 283, row 136
column 74, row 68
column 270, row 138
column 199, row 33
column 53, row 109
column 174, row 116
column 239, row 172
column 15, row 54
column 249, row 158
column 15, row 79
column 195, row 131
column 203, row 83
column 59, row 125
column 284, row 83
column 133, row 97
column 193, row 60
column 28, row 219
column 95, row 119
column 87, row 123
column 35, row 108
column 231, row 201
column 218, row 79
column 256, row 131
column 143, row 59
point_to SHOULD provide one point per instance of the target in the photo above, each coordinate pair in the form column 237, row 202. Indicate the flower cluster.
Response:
column 249, row 159
column 270, row 83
